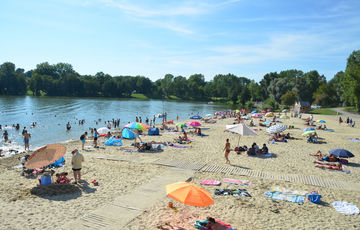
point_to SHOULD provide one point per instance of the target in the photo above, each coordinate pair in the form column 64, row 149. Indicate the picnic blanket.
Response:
column 355, row 140
column 211, row 182
column 232, row 192
column 288, row 191
column 237, row 182
column 344, row 207
column 284, row 196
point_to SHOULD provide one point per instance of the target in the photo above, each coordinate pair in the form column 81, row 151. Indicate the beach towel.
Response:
column 288, row 191
column 267, row 155
column 178, row 146
column 237, row 182
column 205, row 128
column 232, row 192
column 211, row 182
column 344, row 207
column 329, row 130
column 355, row 140
column 128, row 149
column 284, row 196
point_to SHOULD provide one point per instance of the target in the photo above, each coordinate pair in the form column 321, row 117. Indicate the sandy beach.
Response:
column 22, row 208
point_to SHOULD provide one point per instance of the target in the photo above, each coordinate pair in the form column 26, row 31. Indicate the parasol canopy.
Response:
column 181, row 125
column 276, row 129
column 194, row 123
column 45, row 156
column 137, row 125
column 341, row 153
column 284, row 117
column 103, row 130
column 189, row 194
column 269, row 114
column 321, row 121
column 241, row 129
column 307, row 133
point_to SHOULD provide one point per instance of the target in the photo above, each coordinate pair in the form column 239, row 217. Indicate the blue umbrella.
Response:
column 254, row 112
column 266, row 122
column 341, row 153
column 308, row 129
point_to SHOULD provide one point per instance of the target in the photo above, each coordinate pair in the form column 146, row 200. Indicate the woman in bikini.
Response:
column 227, row 151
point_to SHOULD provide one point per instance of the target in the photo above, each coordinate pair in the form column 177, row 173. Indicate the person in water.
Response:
column 27, row 140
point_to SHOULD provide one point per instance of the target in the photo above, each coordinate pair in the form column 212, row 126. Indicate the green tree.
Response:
column 289, row 98
column 326, row 95
column 351, row 83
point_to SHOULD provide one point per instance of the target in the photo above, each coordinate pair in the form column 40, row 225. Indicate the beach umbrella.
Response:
column 270, row 114
column 307, row 133
column 194, row 123
column 253, row 112
column 269, row 110
column 181, row 125
column 209, row 115
column 45, row 156
column 308, row 129
column 241, row 129
column 137, row 125
column 243, row 110
column 263, row 111
column 237, row 111
column 341, row 153
column 284, row 117
column 246, row 117
column 284, row 111
column 266, row 122
column 189, row 194
column 276, row 129
column 103, row 130
column 321, row 121
column 256, row 115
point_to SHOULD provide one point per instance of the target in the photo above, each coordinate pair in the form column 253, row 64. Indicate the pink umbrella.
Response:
column 194, row 123
column 257, row 115
column 269, row 110
column 263, row 111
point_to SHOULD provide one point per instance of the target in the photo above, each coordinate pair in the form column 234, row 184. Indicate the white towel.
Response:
column 346, row 208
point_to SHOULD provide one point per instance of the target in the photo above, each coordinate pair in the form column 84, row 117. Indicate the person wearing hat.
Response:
column 76, row 163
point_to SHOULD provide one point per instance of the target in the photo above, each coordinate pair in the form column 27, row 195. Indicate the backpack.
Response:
column 82, row 137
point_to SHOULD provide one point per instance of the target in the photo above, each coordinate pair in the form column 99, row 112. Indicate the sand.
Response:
column 22, row 210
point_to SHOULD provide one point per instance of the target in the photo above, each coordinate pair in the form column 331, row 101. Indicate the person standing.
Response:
column 68, row 126
column 340, row 120
column 96, row 135
column 27, row 140
column 6, row 136
column 227, row 151
column 83, row 138
column 76, row 163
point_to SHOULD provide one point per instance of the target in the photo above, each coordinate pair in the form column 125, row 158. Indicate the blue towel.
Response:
column 284, row 196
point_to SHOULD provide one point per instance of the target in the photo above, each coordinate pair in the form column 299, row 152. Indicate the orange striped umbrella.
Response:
column 45, row 156
column 189, row 194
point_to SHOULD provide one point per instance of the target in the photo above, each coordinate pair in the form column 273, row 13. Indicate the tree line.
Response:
column 274, row 89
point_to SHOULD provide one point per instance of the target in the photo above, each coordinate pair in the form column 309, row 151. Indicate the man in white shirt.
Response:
column 76, row 163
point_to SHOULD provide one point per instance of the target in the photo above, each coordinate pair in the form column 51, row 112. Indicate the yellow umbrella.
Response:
column 270, row 114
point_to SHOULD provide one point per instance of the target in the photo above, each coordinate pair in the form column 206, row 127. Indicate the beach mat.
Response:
column 211, row 182
column 344, row 207
column 288, row 191
column 329, row 130
column 237, row 182
column 284, row 196
column 178, row 146
column 232, row 192
column 355, row 140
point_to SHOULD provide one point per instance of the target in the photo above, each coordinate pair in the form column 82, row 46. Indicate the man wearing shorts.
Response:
column 82, row 138
column 76, row 163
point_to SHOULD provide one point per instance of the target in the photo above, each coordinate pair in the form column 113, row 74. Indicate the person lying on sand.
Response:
column 329, row 166
column 213, row 225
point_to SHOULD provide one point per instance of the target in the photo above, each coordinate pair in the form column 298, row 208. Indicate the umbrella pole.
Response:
column 238, row 140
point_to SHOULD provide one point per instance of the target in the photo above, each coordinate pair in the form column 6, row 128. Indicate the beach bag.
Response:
column 198, row 224
column 314, row 198
column 344, row 161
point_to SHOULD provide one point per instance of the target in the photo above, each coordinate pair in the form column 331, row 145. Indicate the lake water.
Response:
column 52, row 114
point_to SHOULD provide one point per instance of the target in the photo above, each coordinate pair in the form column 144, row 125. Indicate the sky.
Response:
column 182, row 37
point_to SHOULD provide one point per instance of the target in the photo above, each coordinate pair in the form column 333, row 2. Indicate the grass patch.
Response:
column 173, row 97
column 139, row 96
column 324, row 111
column 351, row 110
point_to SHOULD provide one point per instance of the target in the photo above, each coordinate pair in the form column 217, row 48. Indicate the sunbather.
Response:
column 213, row 225
column 328, row 166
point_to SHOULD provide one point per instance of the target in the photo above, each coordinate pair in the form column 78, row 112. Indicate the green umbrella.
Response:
column 284, row 117
column 181, row 125
column 308, row 132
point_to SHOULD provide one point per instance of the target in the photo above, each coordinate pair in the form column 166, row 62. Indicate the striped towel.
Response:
column 237, row 182
column 283, row 196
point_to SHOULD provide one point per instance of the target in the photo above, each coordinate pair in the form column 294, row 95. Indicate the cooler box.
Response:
column 45, row 180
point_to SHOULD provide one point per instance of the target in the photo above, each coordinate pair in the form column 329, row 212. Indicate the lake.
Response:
column 52, row 113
